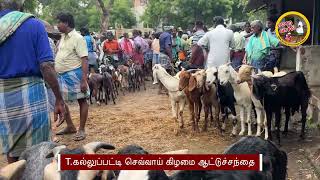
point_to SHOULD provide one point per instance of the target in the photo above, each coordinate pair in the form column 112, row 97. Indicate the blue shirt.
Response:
column 165, row 41
column 89, row 43
column 23, row 52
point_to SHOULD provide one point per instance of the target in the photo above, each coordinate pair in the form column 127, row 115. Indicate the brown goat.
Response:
column 209, row 100
column 189, row 83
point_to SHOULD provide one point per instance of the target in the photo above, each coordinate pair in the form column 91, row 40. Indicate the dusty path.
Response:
column 144, row 118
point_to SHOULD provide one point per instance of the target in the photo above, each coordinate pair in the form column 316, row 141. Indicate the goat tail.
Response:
column 305, row 87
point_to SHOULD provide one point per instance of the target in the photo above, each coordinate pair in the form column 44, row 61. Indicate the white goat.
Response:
column 241, row 93
column 177, row 98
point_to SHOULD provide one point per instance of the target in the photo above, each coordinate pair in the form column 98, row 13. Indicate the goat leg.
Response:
column 269, row 119
column 278, row 124
column 212, row 123
column 304, row 108
column 249, row 120
column 206, row 114
column 182, row 104
column 287, row 112
column 242, row 109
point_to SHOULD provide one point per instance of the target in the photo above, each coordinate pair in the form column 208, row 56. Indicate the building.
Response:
column 139, row 7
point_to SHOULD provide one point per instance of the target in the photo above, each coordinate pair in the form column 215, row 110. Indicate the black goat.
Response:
column 227, row 101
column 290, row 92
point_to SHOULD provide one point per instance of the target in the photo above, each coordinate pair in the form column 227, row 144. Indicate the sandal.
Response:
column 66, row 130
column 81, row 135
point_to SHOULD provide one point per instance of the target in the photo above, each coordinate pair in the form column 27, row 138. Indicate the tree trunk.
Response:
column 104, row 23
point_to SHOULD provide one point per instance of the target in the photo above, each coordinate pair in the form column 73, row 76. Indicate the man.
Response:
column 199, row 28
column 26, row 61
column 141, row 47
column 72, row 67
column 258, row 48
column 246, row 33
column 219, row 40
column 275, row 52
column 91, row 46
column 111, row 47
column 127, row 47
column 165, row 58
column 238, row 51
column 176, row 44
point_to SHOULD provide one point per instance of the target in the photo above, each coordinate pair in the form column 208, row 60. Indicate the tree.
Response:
column 121, row 14
column 185, row 12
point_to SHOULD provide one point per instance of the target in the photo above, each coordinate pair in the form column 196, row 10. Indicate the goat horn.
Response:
column 55, row 151
column 95, row 146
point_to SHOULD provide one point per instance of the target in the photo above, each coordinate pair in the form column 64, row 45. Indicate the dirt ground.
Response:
column 144, row 118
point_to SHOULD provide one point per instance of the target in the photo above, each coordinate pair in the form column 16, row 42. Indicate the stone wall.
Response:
column 308, row 61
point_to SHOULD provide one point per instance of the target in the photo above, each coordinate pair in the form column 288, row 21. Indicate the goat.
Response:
column 290, row 92
column 210, row 96
column 139, row 74
column 274, row 164
column 192, row 87
column 132, row 79
column 95, row 86
column 177, row 98
column 244, row 74
column 242, row 96
column 108, row 87
column 39, row 162
column 123, row 77
column 142, row 174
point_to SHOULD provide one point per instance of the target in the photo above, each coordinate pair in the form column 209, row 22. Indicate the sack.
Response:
column 10, row 22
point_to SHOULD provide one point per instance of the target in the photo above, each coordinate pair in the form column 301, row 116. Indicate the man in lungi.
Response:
column 71, row 63
column 26, row 62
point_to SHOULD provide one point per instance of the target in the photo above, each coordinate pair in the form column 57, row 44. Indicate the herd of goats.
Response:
column 220, row 88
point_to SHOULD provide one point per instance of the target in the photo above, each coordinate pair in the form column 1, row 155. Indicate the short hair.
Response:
column 272, row 19
column 11, row 4
column 199, row 24
column 257, row 23
column 66, row 18
column 85, row 31
column 218, row 20
column 136, row 32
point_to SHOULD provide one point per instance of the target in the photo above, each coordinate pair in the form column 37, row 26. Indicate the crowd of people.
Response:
column 33, row 64
column 178, row 49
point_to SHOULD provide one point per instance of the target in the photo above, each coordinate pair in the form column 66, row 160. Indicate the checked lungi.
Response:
column 24, row 116
column 161, row 58
column 70, row 85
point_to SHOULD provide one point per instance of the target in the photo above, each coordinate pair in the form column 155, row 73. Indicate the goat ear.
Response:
column 192, row 83
column 55, row 151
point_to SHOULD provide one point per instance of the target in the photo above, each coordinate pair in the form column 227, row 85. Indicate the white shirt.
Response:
column 244, row 33
column 300, row 28
column 220, row 40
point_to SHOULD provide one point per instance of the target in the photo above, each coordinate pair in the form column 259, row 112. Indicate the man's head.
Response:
column 233, row 28
column 218, row 20
column 65, row 22
column 12, row 4
column 146, row 35
column 135, row 33
column 247, row 27
column 199, row 25
column 174, row 32
column 109, row 36
column 84, row 31
column 126, row 35
column 257, row 27
column 271, row 22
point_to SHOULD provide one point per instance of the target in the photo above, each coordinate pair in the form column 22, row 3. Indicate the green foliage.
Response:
column 185, row 12
column 85, row 12
column 121, row 14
